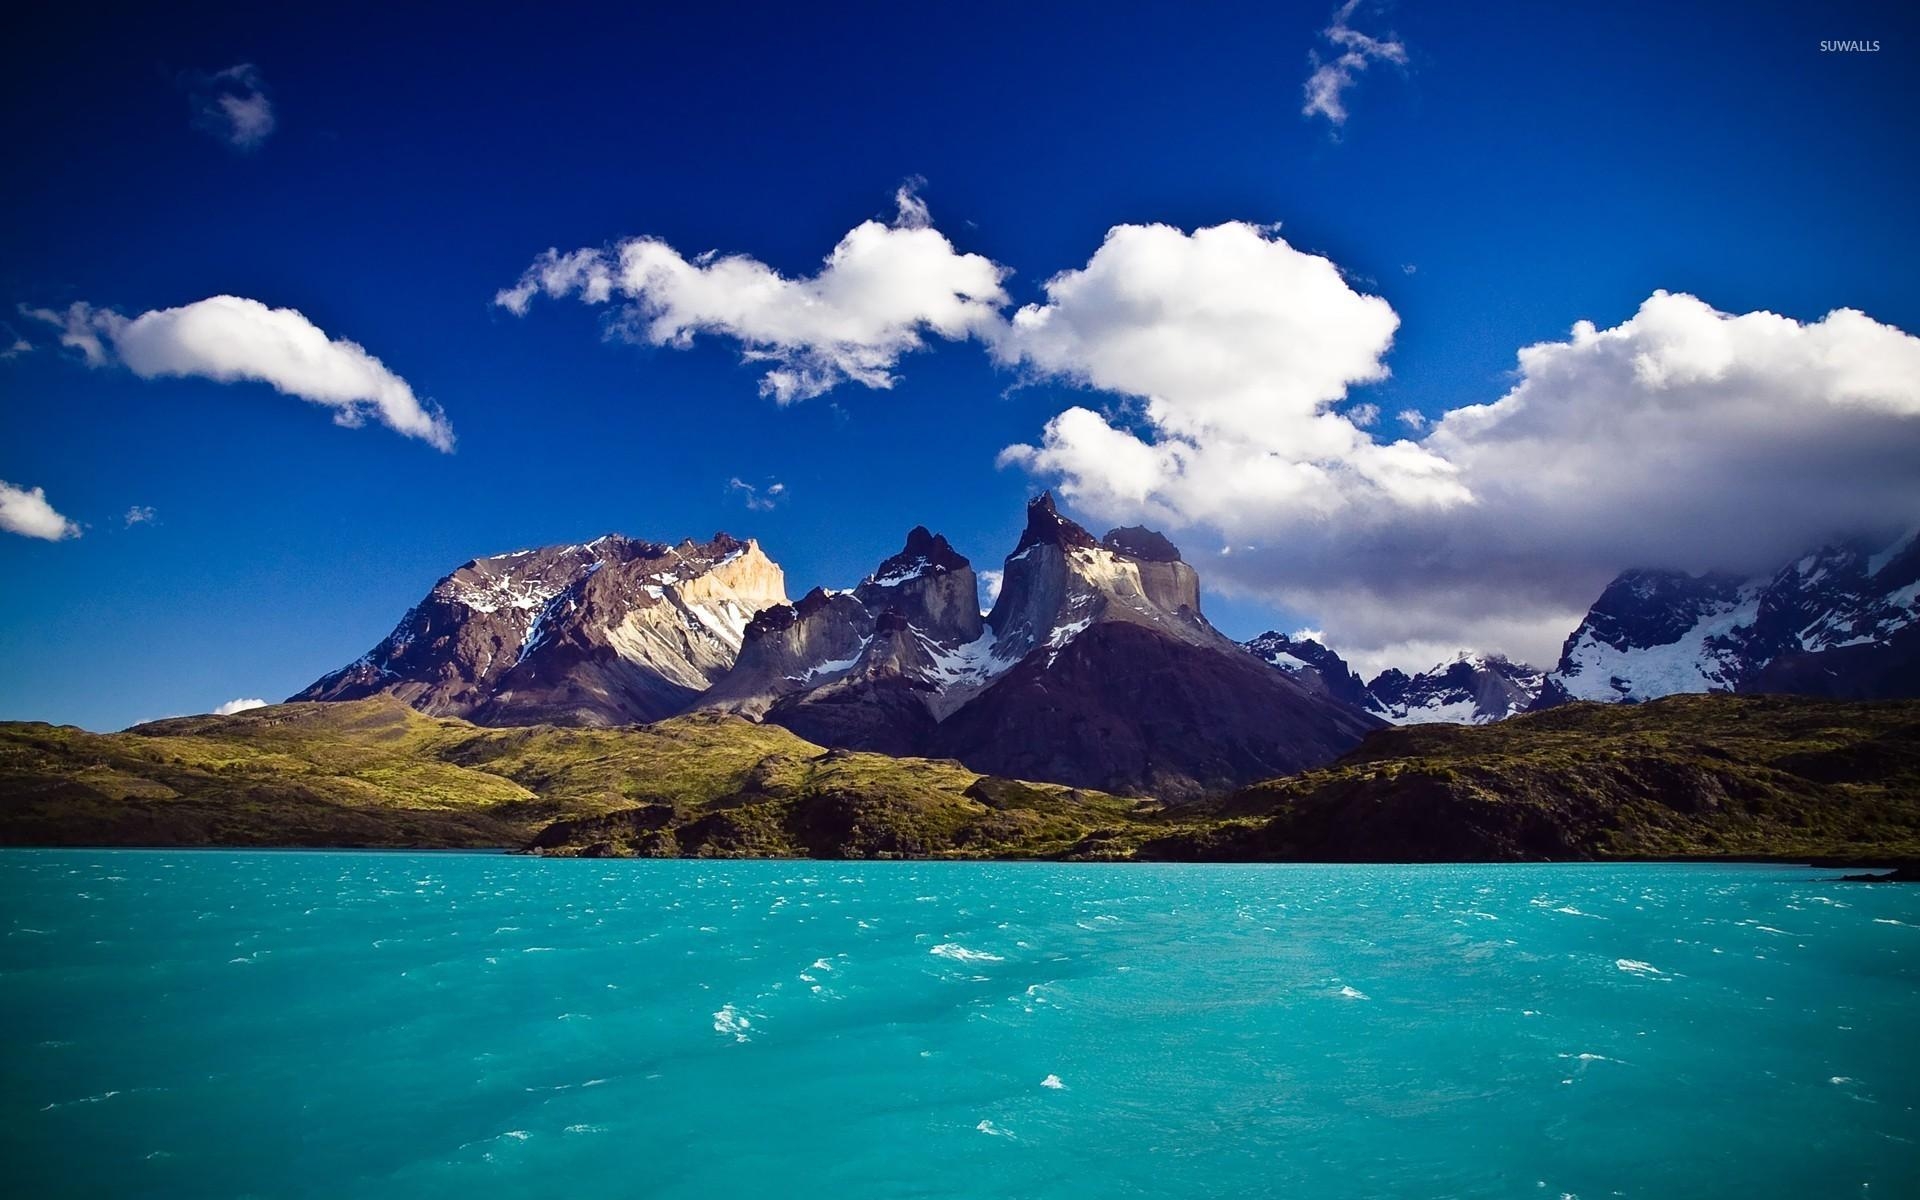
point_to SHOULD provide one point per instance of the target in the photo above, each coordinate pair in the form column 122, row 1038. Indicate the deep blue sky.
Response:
column 1536, row 164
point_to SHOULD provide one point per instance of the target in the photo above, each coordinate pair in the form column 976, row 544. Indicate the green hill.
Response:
column 1688, row 776
column 1681, row 777
column 375, row 773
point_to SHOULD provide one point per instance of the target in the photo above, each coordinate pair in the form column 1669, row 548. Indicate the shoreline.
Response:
column 1866, row 863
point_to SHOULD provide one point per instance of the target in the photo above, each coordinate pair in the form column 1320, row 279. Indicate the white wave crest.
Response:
column 959, row 953
column 731, row 1021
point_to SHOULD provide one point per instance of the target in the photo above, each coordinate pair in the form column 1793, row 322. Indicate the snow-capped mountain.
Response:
column 874, row 668
column 610, row 632
column 1843, row 620
column 1471, row 689
column 1319, row 668
column 1095, row 667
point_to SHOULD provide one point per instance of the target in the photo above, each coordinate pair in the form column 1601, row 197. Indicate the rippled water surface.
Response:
column 292, row 1024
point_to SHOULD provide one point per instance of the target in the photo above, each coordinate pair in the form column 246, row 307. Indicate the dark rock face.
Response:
column 1046, row 527
column 1124, row 707
column 1315, row 666
column 1138, row 542
column 1840, row 621
column 611, row 632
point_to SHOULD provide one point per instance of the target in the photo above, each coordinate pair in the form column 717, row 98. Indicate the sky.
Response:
column 1411, row 325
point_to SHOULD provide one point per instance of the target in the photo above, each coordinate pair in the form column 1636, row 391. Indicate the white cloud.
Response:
column 1682, row 437
column 879, row 293
column 990, row 582
column 1354, row 52
column 230, row 339
column 14, row 343
column 239, row 706
column 759, row 499
column 1234, row 347
column 232, row 105
column 140, row 514
column 1412, row 418
column 25, row 511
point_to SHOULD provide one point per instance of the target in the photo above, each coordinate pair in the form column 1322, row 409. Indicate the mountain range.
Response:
column 1095, row 666
column 1841, row 621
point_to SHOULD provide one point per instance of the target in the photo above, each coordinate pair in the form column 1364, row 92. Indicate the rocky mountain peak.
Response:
column 609, row 631
column 1137, row 541
column 925, row 553
column 1314, row 666
column 1046, row 527
column 1842, row 620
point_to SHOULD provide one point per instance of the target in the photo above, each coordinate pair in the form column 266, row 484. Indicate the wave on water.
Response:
column 992, row 1130
column 1634, row 966
column 959, row 953
column 1053, row 1081
column 730, row 1020
column 82, row 1100
column 1352, row 993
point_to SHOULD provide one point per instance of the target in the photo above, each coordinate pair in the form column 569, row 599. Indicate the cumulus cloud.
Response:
column 25, row 511
column 231, row 339
column 1333, row 75
column 759, row 499
column 885, row 287
column 232, row 106
column 140, row 514
column 1682, row 437
column 238, row 706
column 1233, row 347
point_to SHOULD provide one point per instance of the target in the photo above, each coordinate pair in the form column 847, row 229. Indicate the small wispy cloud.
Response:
column 1413, row 419
column 759, row 499
column 1354, row 52
column 239, row 706
column 25, row 511
column 140, row 514
column 232, row 106
column 14, row 344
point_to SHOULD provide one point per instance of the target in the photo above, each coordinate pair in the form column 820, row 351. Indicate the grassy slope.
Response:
column 376, row 773
column 1751, row 776
column 1686, row 776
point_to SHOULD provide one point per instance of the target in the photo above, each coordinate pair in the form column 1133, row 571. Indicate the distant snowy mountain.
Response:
column 1472, row 689
column 1319, row 668
column 1843, row 621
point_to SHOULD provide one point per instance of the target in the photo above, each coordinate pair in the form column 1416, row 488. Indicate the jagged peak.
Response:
column 1139, row 542
column 925, row 553
column 1046, row 527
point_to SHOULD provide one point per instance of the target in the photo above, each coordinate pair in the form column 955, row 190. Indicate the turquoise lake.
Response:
column 338, row 1024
